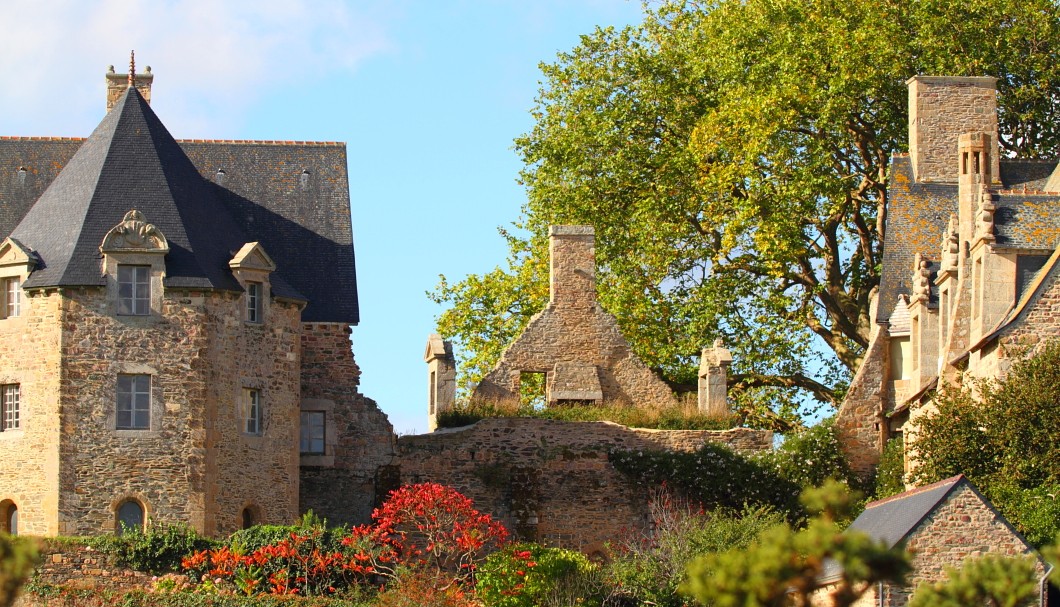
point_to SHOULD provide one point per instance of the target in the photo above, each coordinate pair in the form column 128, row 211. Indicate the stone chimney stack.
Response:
column 977, row 158
column 941, row 108
column 572, row 266
column 119, row 83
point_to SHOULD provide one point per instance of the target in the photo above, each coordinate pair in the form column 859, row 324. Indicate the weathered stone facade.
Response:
column 551, row 481
column 574, row 342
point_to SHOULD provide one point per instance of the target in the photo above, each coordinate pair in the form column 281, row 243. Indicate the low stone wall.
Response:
column 551, row 481
column 75, row 566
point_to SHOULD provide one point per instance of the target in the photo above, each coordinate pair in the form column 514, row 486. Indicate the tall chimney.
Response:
column 119, row 83
column 941, row 108
column 572, row 266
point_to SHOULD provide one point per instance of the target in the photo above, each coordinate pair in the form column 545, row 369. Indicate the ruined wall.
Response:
column 547, row 480
column 194, row 464
column 29, row 456
column 859, row 419
column 340, row 485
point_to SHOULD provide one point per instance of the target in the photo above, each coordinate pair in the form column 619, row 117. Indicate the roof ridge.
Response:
column 39, row 138
column 263, row 142
column 953, row 480
column 1011, row 192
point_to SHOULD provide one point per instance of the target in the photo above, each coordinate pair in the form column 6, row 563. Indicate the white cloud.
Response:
column 221, row 56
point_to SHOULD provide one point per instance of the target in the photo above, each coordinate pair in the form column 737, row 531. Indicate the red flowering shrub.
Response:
column 430, row 529
column 426, row 526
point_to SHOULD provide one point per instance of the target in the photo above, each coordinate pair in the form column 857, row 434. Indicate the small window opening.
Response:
column 532, row 390
column 249, row 520
column 220, row 177
column 303, row 179
column 9, row 511
column 433, row 387
column 130, row 517
column 975, row 163
column 21, row 175
column 311, row 439
column 964, row 163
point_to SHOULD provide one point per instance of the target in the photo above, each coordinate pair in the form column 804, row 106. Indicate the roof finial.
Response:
column 132, row 69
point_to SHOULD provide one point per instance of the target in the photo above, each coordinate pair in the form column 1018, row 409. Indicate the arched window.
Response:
column 130, row 516
column 9, row 512
column 249, row 520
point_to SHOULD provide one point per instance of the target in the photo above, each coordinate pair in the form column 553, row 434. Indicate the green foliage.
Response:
column 786, row 565
column 648, row 569
column 890, row 473
column 733, row 157
column 60, row 596
column 17, row 559
column 157, row 549
column 718, row 477
column 714, row 476
column 1004, row 442
column 531, row 575
column 990, row 580
column 670, row 418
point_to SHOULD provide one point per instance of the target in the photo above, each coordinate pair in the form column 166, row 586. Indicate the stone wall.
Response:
column 551, row 481
column 29, row 456
column 341, row 484
column 195, row 463
column 859, row 420
column 77, row 566
column 941, row 108
column 575, row 332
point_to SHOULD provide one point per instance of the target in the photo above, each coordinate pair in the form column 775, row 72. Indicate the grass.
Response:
column 679, row 417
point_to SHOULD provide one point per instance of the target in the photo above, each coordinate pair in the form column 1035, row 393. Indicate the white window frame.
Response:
column 11, row 397
column 252, row 411
column 12, row 297
column 255, row 307
column 134, row 290
column 137, row 394
column 307, row 437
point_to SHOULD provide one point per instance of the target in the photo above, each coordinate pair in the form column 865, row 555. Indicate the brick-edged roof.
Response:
column 293, row 197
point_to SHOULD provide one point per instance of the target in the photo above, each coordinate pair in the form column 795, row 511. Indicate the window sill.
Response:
column 136, row 433
column 319, row 461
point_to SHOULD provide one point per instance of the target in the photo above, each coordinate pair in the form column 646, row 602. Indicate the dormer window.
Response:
column 134, row 290
column 254, row 307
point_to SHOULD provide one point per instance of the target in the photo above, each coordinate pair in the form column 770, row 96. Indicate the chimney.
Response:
column 119, row 83
column 572, row 269
column 714, row 365
column 941, row 108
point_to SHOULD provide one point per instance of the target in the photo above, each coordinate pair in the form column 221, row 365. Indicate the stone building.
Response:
column 943, row 525
column 969, row 274
column 175, row 329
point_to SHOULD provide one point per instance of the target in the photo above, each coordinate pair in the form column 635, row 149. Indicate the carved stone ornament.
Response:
column 921, row 280
column 951, row 246
column 984, row 224
column 134, row 234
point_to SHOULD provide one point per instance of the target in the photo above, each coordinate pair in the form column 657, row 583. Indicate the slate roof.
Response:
column 891, row 520
column 293, row 197
column 917, row 214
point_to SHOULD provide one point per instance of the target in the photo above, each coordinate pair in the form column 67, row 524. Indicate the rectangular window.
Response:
column 252, row 411
column 312, row 433
column 10, row 396
column 254, row 291
column 12, row 297
column 134, row 290
column 134, row 402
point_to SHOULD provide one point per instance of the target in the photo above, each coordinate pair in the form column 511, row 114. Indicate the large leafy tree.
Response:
column 733, row 157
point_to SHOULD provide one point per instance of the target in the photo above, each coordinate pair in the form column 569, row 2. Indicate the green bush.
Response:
column 648, row 569
column 531, row 575
column 157, row 549
column 668, row 418
column 810, row 457
column 890, row 474
column 17, row 559
column 59, row 596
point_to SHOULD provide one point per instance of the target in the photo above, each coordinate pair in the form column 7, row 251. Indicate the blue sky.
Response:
column 428, row 96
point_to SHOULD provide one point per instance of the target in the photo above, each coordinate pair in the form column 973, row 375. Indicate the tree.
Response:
column 786, row 567
column 1004, row 441
column 733, row 157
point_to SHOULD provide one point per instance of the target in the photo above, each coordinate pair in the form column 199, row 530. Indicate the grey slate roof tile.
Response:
column 293, row 197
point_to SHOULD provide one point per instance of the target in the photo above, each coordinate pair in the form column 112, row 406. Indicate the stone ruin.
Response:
column 578, row 347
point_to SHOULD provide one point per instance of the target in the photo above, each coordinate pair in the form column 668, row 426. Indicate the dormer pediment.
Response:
column 14, row 253
column 134, row 235
column 252, row 256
